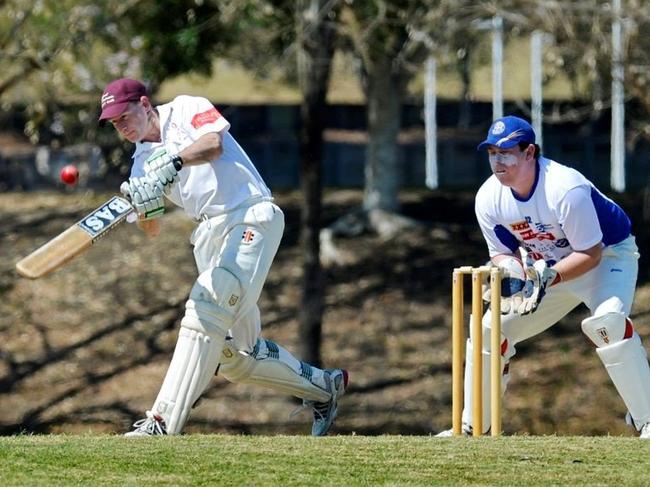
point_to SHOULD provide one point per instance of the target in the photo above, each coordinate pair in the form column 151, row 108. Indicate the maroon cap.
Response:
column 117, row 96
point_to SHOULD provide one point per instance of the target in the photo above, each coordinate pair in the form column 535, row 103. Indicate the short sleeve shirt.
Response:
column 212, row 188
column 565, row 212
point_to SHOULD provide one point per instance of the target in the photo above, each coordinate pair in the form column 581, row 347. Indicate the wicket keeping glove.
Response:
column 539, row 277
column 163, row 168
column 512, row 285
column 145, row 195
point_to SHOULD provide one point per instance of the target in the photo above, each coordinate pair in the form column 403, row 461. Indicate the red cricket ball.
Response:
column 69, row 174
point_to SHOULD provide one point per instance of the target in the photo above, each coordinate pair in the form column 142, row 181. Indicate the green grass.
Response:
column 338, row 460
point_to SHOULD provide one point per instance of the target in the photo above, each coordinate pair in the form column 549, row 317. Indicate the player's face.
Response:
column 132, row 124
column 510, row 165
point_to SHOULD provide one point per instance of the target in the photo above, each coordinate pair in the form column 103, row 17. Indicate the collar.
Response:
column 532, row 189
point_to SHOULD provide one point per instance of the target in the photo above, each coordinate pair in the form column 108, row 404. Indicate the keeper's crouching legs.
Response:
column 507, row 352
column 487, row 392
column 209, row 313
column 624, row 357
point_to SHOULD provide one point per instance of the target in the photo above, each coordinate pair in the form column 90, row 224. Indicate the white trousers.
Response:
column 245, row 242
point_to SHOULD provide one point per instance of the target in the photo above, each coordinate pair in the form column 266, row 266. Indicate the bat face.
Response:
column 75, row 239
column 100, row 221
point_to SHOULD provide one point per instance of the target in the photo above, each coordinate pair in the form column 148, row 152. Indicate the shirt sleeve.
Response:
column 201, row 117
column 577, row 215
column 499, row 240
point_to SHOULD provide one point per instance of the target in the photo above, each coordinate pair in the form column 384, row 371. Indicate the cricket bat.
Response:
column 75, row 240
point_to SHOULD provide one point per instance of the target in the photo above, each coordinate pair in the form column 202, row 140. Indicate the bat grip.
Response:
column 178, row 162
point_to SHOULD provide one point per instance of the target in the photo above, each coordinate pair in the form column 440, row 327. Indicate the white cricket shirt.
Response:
column 208, row 189
column 564, row 212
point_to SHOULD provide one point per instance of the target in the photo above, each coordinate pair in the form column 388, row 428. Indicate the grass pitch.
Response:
column 337, row 460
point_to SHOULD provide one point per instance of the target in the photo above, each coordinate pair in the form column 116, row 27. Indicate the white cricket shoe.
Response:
column 325, row 412
column 466, row 430
column 152, row 425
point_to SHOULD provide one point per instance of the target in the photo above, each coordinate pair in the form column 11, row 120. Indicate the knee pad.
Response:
column 214, row 301
column 272, row 366
column 607, row 328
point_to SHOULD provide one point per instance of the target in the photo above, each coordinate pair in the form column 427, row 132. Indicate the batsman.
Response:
column 185, row 153
column 561, row 242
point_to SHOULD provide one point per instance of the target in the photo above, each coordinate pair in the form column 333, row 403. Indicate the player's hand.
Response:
column 145, row 195
column 539, row 277
column 163, row 168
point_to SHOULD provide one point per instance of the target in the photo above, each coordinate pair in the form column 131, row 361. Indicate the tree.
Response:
column 316, row 30
column 391, row 41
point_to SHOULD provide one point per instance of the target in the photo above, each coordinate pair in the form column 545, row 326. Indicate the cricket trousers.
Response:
column 243, row 241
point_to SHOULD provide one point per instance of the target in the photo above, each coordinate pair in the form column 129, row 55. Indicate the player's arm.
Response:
column 579, row 262
column 579, row 220
column 150, row 227
column 206, row 148
column 577, row 214
column 162, row 167
column 540, row 277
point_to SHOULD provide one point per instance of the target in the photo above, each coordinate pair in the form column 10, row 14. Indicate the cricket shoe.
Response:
column 152, row 425
column 465, row 430
column 325, row 412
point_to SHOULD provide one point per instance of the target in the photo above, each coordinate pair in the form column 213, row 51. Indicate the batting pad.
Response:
column 272, row 366
column 627, row 365
column 195, row 359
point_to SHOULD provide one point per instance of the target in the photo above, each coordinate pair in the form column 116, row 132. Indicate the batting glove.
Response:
column 145, row 195
column 163, row 168
column 539, row 277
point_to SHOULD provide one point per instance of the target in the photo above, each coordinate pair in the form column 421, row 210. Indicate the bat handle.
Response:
column 178, row 162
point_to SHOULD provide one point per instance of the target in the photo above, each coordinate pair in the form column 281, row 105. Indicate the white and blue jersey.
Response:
column 564, row 212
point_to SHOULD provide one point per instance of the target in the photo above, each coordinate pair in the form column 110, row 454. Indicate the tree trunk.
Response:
column 314, row 62
column 384, row 91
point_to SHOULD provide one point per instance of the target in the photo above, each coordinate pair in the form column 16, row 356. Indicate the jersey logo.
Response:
column 526, row 232
column 209, row 116
column 519, row 226
column 248, row 236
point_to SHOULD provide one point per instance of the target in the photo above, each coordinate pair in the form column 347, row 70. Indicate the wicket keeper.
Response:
column 577, row 247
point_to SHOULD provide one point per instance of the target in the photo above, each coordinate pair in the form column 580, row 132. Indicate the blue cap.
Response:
column 507, row 132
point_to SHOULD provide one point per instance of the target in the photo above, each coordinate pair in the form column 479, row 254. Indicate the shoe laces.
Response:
column 152, row 424
column 319, row 409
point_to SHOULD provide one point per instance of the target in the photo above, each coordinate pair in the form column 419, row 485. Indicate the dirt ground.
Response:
column 85, row 349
